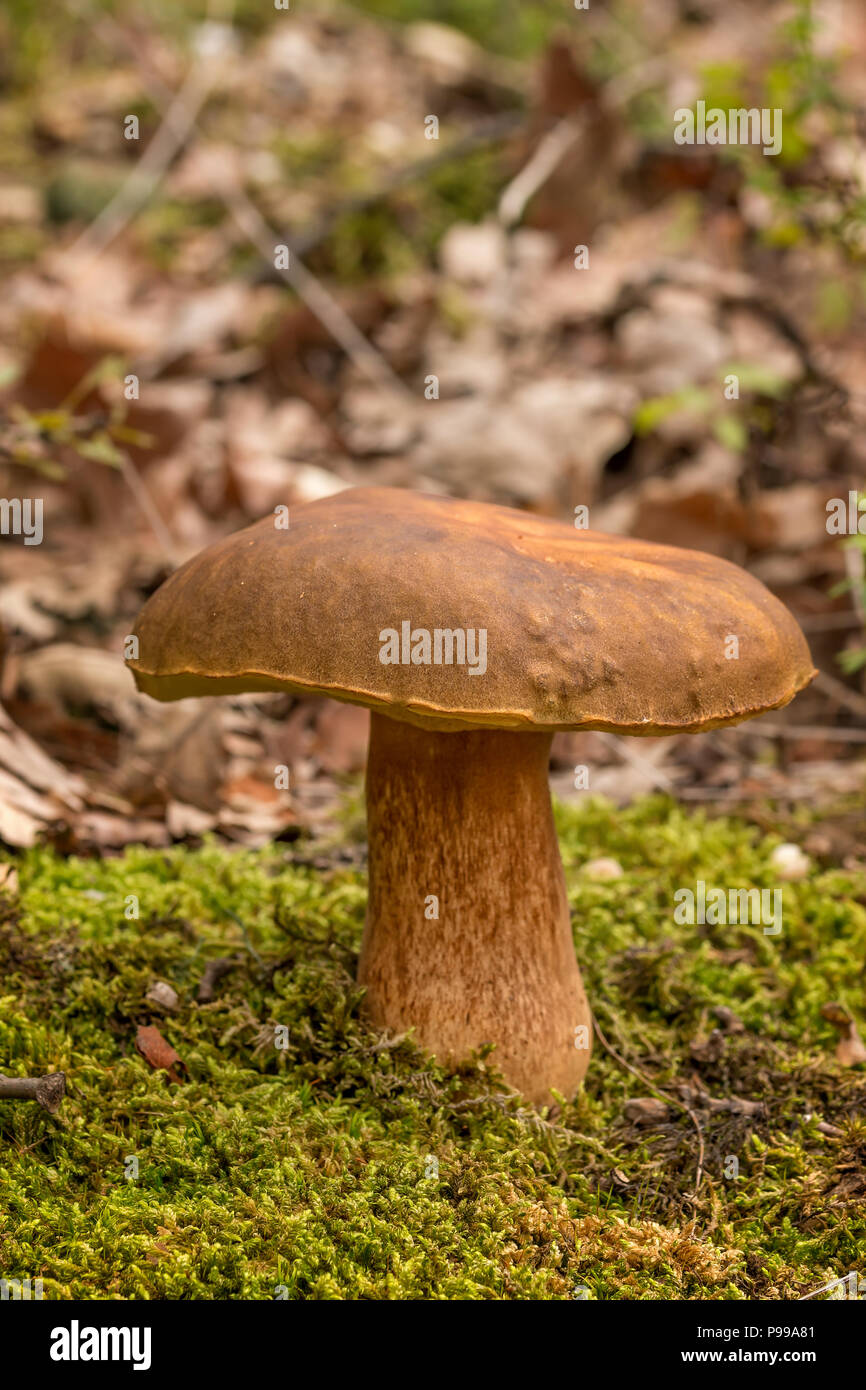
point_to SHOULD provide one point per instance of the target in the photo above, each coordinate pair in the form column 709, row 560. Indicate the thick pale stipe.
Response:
column 465, row 818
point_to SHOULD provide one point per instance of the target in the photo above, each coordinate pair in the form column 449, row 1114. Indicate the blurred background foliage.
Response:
column 607, row 386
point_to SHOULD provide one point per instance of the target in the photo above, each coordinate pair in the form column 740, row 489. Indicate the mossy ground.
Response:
column 313, row 1167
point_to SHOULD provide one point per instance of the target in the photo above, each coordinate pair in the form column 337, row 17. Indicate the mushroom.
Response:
column 472, row 632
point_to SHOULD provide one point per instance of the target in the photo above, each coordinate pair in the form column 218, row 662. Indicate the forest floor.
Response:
column 267, row 1144
column 695, row 378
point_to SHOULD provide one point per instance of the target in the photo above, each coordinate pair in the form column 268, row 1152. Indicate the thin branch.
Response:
column 487, row 131
column 140, row 491
column 628, row 755
column 547, row 156
column 757, row 728
column 833, row 1284
column 840, row 692
column 555, row 144
column 213, row 972
column 47, row 1090
column 178, row 121
column 176, row 126
column 326, row 309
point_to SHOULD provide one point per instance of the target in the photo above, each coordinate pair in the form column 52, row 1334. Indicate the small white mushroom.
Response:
column 790, row 863
column 600, row 869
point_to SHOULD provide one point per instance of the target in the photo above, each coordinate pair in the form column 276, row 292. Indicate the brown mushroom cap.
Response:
column 584, row 630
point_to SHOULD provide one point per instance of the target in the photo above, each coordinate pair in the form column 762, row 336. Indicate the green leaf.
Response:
column 843, row 587
column 125, row 434
column 758, row 377
column 853, row 660
column 652, row 412
column 101, row 450
column 730, row 431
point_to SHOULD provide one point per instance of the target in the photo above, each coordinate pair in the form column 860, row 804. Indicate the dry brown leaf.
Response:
column 183, row 821
column 646, row 1111
column 850, row 1051
column 736, row 1105
column 17, row 828
column 35, row 791
column 96, row 829
column 158, row 1053
column 164, row 996
column 176, row 754
column 26, row 762
column 67, row 674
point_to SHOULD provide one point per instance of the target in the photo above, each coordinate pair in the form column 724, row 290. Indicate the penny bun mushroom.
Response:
column 472, row 632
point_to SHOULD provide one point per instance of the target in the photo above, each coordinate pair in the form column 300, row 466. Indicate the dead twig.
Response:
column 148, row 508
column 179, row 117
column 47, row 1090
column 840, row 692
column 757, row 728
column 177, row 124
column 555, row 143
column 549, row 153
column 644, row 763
column 326, row 309
column 213, row 973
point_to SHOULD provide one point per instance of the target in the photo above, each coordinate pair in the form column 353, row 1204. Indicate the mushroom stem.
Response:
column 468, row 937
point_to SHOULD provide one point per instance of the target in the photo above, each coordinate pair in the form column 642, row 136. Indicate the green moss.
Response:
column 342, row 1166
column 392, row 236
column 517, row 30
